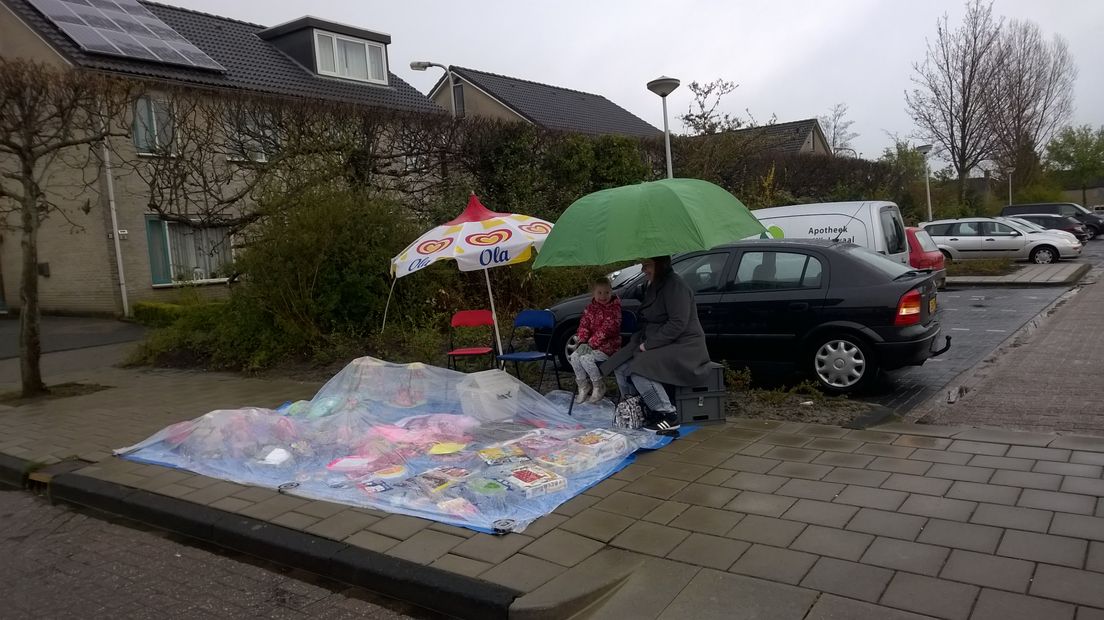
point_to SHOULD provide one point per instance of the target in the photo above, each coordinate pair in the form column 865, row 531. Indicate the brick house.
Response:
column 307, row 58
column 479, row 93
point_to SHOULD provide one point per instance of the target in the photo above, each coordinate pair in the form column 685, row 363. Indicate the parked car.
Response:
column 830, row 309
column 1094, row 222
column 983, row 237
column 873, row 224
column 1045, row 222
column 924, row 254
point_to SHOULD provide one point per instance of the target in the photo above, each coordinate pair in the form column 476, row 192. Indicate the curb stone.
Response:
column 13, row 471
column 1072, row 279
column 425, row 586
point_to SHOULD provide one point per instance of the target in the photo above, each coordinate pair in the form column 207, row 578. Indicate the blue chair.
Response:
column 533, row 320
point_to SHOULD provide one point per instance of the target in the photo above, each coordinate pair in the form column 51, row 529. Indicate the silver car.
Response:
column 984, row 237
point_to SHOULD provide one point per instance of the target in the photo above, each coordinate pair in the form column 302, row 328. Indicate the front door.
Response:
column 1001, row 241
column 705, row 275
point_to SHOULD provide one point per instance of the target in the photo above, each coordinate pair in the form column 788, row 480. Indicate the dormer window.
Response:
column 349, row 58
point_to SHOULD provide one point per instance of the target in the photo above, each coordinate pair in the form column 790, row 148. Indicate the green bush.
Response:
column 157, row 314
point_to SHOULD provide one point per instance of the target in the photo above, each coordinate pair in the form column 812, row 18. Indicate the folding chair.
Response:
column 534, row 320
column 468, row 319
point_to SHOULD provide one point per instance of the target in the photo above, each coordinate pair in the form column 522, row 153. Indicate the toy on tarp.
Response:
column 483, row 451
column 533, row 481
column 413, row 392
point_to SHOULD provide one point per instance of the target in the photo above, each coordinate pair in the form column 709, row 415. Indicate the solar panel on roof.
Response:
column 123, row 28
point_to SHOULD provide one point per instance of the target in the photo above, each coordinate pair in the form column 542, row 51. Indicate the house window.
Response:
column 181, row 252
column 350, row 58
column 153, row 126
column 458, row 98
column 249, row 137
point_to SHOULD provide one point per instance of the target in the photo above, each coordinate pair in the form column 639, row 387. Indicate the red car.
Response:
column 923, row 254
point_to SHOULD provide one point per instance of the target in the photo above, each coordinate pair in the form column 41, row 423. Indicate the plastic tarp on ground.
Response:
column 479, row 450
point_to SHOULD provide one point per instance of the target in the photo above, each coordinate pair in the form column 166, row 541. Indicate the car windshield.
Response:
column 620, row 277
column 1082, row 209
column 1033, row 227
column 889, row 267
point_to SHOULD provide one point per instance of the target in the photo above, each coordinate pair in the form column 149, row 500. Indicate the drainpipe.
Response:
column 115, row 225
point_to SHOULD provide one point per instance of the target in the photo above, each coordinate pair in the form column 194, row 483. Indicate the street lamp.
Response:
column 664, row 86
column 421, row 65
column 924, row 149
column 1010, row 171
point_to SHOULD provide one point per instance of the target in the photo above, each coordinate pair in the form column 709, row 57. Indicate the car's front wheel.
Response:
column 842, row 363
column 1044, row 255
column 1094, row 232
column 565, row 342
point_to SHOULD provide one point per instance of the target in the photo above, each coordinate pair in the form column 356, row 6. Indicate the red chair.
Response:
column 469, row 319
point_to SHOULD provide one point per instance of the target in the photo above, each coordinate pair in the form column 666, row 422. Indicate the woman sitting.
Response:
column 669, row 348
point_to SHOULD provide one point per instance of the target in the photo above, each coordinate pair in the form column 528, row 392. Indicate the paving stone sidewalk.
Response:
column 750, row 519
column 1048, row 382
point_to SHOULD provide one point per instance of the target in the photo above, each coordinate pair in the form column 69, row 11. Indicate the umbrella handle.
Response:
column 494, row 313
column 388, row 305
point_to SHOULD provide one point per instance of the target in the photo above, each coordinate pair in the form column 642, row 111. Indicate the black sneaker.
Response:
column 666, row 424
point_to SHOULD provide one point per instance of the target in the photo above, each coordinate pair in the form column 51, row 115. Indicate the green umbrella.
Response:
column 649, row 219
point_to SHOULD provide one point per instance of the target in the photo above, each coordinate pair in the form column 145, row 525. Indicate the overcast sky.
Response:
column 792, row 58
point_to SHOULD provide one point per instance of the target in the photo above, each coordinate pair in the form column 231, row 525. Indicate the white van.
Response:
column 873, row 224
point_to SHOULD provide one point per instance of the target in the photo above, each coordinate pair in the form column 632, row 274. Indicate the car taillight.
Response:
column 908, row 309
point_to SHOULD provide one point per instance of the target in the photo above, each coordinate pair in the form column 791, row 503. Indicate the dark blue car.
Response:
column 830, row 309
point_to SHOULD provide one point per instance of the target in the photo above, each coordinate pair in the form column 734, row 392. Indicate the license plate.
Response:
column 931, row 306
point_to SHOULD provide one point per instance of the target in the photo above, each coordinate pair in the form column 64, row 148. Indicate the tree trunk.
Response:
column 1084, row 196
column 30, row 337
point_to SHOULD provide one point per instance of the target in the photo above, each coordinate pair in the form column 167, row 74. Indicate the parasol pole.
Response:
column 388, row 305
column 494, row 314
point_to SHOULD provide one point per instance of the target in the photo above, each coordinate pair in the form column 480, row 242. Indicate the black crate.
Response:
column 699, row 407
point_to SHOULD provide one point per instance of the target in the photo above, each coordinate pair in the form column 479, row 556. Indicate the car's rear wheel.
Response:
column 1044, row 255
column 842, row 363
column 946, row 256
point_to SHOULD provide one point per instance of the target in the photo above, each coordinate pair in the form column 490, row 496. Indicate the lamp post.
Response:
column 1010, row 171
column 421, row 65
column 924, row 149
column 664, row 86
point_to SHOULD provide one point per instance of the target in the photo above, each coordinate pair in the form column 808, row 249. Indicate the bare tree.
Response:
column 949, row 102
column 702, row 117
column 1031, row 98
column 228, row 159
column 837, row 128
column 49, row 119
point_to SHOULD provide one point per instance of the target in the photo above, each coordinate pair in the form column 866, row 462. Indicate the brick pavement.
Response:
column 978, row 320
column 60, row 564
column 1046, row 381
column 753, row 518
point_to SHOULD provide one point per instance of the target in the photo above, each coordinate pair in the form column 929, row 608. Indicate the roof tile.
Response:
column 251, row 64
column 553, row 107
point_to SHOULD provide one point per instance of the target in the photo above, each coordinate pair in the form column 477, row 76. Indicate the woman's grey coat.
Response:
column 672, row 335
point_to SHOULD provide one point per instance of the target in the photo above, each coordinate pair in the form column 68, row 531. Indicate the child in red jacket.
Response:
column 599, row 337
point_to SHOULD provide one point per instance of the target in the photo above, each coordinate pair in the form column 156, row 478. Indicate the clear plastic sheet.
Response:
column 480, row 450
